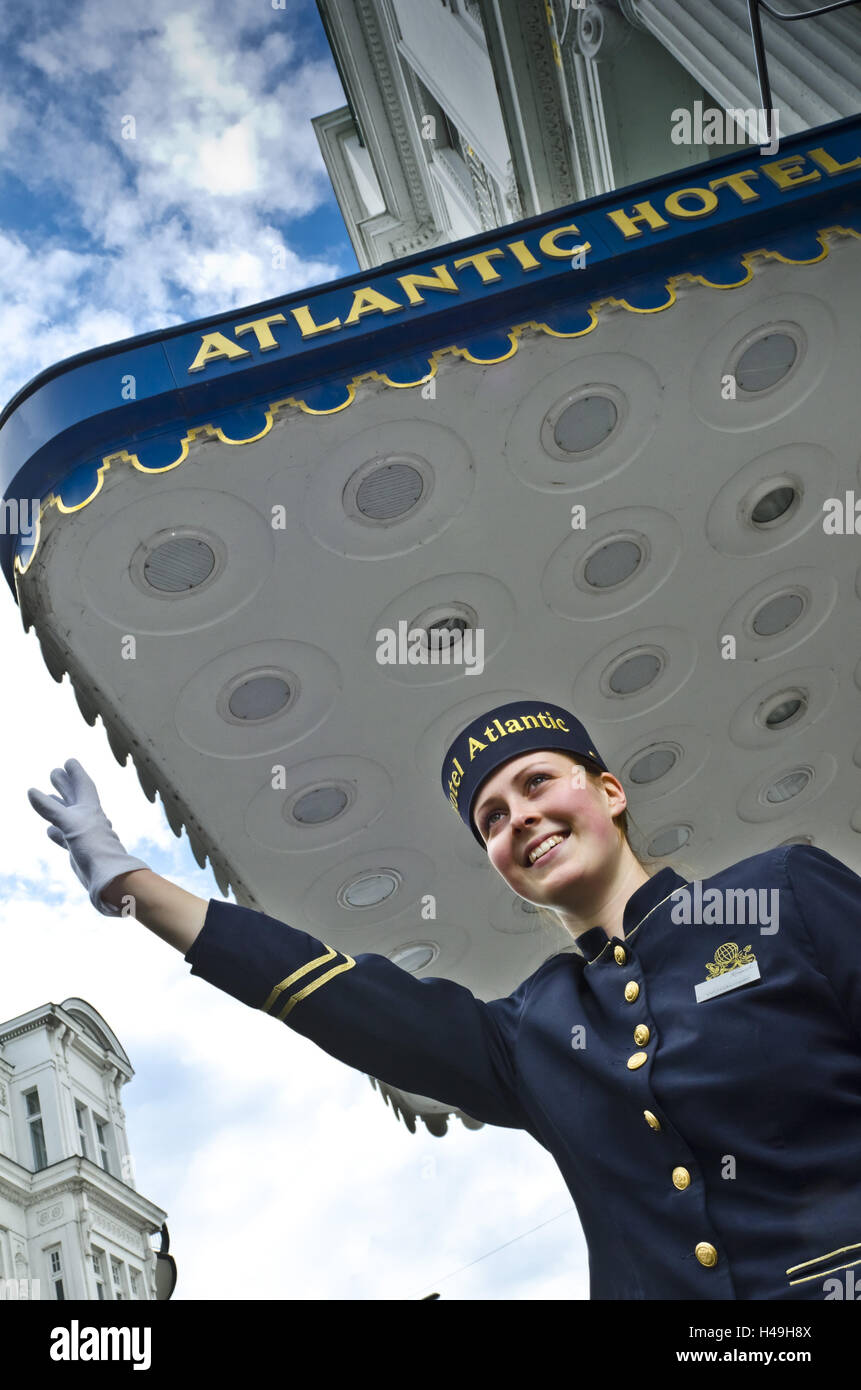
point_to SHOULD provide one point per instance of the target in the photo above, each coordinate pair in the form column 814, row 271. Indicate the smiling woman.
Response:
column 698, row 1096
column 554, row 772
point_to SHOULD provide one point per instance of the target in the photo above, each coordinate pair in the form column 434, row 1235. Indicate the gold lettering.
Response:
column 307, row 326
column 368, row 301
column 785, row 177
column 212, row 347
column 827, row 162
column 529, row 721
column 548, row 245
column 524, row 255
column 644, row 212
column 514, row 726
column 737, row 183
column 675, row 208
column 440, row 280
column 481, row 260
column 478, row 744
column 261, row 330
column 560, row 724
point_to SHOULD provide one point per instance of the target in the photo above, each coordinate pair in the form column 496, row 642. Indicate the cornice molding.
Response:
column 380, row 57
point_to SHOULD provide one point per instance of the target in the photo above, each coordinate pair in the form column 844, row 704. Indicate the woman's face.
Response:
column 542, row 794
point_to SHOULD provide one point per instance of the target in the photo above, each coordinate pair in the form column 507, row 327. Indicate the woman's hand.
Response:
column 79, row 825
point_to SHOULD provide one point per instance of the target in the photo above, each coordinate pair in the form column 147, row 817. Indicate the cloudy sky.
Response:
column 157, row 164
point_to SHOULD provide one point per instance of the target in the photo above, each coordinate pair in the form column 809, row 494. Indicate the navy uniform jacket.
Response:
column 712, row 1148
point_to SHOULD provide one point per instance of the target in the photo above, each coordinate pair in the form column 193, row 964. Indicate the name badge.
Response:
column 733, row 979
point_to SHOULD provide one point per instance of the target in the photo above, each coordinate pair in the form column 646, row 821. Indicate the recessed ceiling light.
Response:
column 366, row 890
column 444, row 625
column 653, row 764
column 387, row 489
column 766, row 362
column 773, row 505
column 783, row 709
column 778, row 614
column 261, row 697
column 792, row 784
column 669, row 840
column 585, row 424
column 319, row 805
column 416, row 956
column 612, row 563
column 179, row 564
column 635, row 673
column 445, row 633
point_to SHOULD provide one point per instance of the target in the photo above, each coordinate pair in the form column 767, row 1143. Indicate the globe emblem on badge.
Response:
column 729, row 957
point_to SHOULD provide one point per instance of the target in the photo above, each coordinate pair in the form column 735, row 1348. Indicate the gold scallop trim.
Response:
column 514, row 335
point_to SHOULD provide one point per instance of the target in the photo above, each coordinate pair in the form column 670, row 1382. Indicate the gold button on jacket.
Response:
column 706, row 1254
column 637, row 1060
column 641, row 1034
column 681, row 1178
column 632, row 989
column 652, row 1120
column 620, row 955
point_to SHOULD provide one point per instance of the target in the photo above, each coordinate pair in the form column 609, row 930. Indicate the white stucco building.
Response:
column 463, row 115
column 72, row 1225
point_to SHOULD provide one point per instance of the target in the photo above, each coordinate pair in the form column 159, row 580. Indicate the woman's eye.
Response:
column 488, row 819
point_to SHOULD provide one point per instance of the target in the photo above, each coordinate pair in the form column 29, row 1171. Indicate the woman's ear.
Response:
column 615, row 792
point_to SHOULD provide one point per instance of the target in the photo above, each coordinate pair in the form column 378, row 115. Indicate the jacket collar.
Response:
column 640, row 903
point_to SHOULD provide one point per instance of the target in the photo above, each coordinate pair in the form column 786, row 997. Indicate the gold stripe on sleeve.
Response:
column 309, row 989
column 820, row 1259
column 297, row 975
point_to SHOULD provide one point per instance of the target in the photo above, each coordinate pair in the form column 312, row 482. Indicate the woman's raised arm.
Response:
column 428, row 1036
column 168, row 910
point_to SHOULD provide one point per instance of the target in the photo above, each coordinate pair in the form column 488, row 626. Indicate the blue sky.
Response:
column 157, row 163
column 282, row 1172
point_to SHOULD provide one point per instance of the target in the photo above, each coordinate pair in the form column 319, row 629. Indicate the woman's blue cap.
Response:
column 505, row 733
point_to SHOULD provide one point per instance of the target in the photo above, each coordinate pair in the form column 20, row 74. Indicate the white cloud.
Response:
column 181, row 220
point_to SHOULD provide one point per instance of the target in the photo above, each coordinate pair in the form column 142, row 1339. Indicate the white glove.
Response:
column 80, row 825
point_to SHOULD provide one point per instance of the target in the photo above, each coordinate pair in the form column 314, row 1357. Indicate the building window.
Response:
column 81, row 1112
column 117, row 1277
column 99, row 1271
column 102, row 1136
column 55, row 1273
column 134, row 1280
column 37, row 1133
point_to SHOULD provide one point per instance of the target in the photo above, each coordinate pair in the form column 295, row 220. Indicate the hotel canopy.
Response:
column 617, row 443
